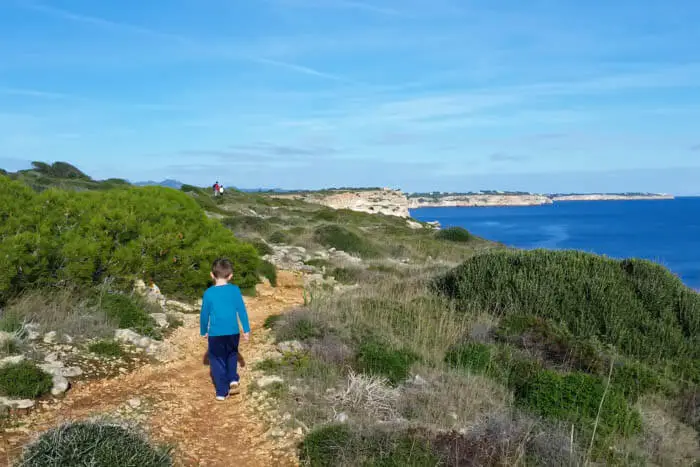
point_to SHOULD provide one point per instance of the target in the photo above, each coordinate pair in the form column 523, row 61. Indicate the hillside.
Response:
column 406, row 346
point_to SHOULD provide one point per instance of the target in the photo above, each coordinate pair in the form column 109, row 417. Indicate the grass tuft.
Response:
column 106, row 348
column 24, row 380
column 454, row 234
column 377, row 358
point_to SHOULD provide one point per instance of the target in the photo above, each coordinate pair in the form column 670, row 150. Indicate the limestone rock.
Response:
column 50, row 337
column 173, row 305
column 32, row 330
column 134, row 403
column 20, row 404
column 13, row 360
column 60, row 385
column 290, row 347
column 161, row 319
column 51, row 358
column 341, row 417
column 266, row 381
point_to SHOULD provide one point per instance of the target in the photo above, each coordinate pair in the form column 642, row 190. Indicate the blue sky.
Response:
column 543, row 95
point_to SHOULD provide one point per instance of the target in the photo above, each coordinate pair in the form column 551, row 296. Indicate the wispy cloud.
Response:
column 34, row 93
column 267, row 152
column 342, row 4
column 181, row 40
column 695, row 147
column 503, row 157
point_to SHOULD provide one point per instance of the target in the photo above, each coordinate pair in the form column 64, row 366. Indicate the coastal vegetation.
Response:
column 416, row 346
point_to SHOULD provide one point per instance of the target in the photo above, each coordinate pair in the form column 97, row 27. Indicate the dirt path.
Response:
column 175, row 402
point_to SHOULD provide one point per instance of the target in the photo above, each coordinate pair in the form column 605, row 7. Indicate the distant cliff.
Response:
column 474, row 200
column 379, row 201
column 609, row 197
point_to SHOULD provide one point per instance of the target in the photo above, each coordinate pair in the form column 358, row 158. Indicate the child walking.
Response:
column 222, row 308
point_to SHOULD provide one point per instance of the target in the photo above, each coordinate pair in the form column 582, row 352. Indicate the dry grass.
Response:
column 445, row 399
column 62, row 311
column 371, row 395
column 667, row 441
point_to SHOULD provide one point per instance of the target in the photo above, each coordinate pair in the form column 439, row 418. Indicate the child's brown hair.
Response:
column 222, row 268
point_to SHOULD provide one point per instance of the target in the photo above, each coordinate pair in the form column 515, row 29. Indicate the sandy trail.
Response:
column 175, row 402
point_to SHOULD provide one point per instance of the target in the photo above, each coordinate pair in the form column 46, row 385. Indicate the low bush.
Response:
column 378, row 358
column 261, row 247
column 298, row 325
column 248, row 224
column 342, row 445
column 11, row 322
column 473, row 356
column 637, row 306
column 24, row 380
column 340, row 238
column 94, row 444
column 576, row 397
column 174, row 321
column 347, row 275
column 271, row 320
column 454, row 234
column 106, row 348
column 129, row 312
column 87, row 238
column 279, row 237
column 269, row 271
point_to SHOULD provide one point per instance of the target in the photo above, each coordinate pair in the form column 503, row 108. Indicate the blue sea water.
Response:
column 665, row 231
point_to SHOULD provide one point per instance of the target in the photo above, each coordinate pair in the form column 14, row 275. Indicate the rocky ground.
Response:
column 173, row 400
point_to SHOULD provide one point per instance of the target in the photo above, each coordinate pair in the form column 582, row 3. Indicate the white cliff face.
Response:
column 478, row 200
column 386, row 201
column 609, row 197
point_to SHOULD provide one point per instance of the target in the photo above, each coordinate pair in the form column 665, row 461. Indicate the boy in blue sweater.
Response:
column 222, row 308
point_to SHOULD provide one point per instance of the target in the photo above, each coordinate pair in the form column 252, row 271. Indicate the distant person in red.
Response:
column 216, row 188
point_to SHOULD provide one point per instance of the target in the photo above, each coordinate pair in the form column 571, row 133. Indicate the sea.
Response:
column 665, row 231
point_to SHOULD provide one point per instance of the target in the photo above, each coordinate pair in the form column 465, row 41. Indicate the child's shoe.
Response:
column 234, row 387
column 220, row 398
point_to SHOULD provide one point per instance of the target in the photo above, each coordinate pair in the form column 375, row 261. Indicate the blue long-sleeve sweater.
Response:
column 222, row 307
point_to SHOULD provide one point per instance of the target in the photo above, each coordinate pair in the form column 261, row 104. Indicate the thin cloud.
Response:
column 502, row 157
column 695, row 148
column 179, row 39
column 34, row 93
column 342, row 4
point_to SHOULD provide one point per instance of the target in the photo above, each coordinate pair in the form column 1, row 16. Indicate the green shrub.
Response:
column 129, row 312
column 472, row 356
column 349, row 275
column 248, row 224
column 268, row 270
column 272, row 320
column 318, row 263
column 173, row 321
column 11, row 322
column 576, row 397
column 86, row 238
column 340, row 238
column 454, row 234
column 637, row 306
column 24, row 380
column 106, row 348
column 552, row 343
column 279, row 237
column 262, row 248
column 94, row 444
column 341, row 445
column 380, row 359
column 324, row 446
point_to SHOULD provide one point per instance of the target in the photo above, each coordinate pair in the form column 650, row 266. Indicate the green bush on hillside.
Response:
column 130, row 312
column 576, row 397
column 343, row 445
column 94, row 444
column 106, row 348
column 637, row 306
column 279, row 237
column 269, row 271
column 340, row 238
column 378, row 358
column 24, row 380
column 454, row 234
column 473, row 356
column 86, row 238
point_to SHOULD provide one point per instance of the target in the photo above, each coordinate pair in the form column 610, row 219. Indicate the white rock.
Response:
column 414, row 225
column 13, row 360
column 161, row 319
column 179, row 306
column 299, row 431
column 17, row 403
column 266, row 381
column 126, row 335
column 32, row 330
column 276, row 433
column 139, row 286
column 51, row 358
column 134, row 403
column 72, row 372
column 419, row 381
column 341, row 417
column 290, row 347
column 50, row 337
column 60, row 385
column 6, row 337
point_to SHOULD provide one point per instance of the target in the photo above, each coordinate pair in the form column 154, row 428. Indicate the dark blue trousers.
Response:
column 223, row 359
